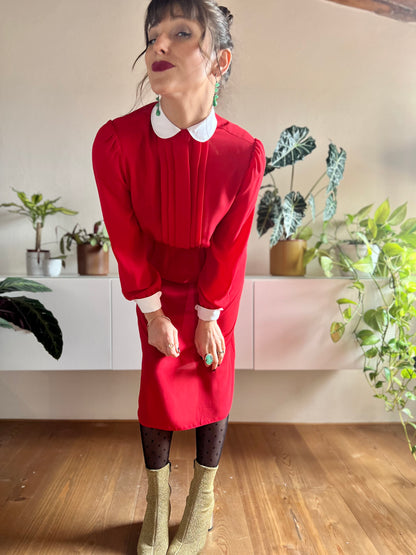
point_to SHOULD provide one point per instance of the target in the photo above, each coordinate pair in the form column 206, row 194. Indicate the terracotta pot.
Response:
column 286, row 258
column 92, row 260
column 36, row 262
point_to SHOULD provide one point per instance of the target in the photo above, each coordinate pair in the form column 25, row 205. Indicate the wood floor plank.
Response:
column 230, row 535
column 321, row 517
column 336, row 528
column 401, row 486
column 80, row 487
column 364, row 485
column 73, row 498
column 387, row 441
column 258, row 488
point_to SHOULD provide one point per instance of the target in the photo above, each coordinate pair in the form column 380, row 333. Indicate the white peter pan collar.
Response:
column 165, row 129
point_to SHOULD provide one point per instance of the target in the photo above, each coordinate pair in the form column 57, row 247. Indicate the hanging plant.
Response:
column 381, row 312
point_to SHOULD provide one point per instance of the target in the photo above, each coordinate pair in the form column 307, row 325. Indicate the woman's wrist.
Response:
column 151, row 316
column 206, row 323
column 158, row 318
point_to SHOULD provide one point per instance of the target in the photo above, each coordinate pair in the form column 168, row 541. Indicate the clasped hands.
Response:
column 163, row 335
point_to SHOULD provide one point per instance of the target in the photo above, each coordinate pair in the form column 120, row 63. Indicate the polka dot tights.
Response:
column 156, row 447
column 209, row 443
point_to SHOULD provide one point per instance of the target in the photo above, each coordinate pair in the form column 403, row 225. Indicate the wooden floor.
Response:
column 79, row 487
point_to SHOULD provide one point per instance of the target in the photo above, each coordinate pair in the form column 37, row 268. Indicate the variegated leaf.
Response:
column 330, row 207
column 268, row 212
column 294, row 144
column 278, row 232
column 294, row 207
column 312, row 206
column 335, row 166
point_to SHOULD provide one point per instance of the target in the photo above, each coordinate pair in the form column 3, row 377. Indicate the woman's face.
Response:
column 175, row 63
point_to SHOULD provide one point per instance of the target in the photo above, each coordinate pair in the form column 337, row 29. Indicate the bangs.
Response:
column 189, row 9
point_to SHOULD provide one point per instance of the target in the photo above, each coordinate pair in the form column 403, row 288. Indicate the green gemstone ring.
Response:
column 209, row 360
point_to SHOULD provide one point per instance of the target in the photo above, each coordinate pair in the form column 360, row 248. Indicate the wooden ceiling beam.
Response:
column 402, row 10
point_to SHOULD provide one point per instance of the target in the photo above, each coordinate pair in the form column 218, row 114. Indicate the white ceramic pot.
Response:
column 53, row 267
column 36, row 262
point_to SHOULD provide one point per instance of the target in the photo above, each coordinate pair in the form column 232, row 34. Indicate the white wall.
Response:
column 347, row 74
column 325, row 396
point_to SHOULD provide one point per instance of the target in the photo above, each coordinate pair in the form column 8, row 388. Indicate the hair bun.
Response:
column 227, row 14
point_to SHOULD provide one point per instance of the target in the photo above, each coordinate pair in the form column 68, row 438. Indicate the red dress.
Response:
column 179, row 214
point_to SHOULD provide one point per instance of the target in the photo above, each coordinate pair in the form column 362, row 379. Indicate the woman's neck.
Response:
column 186, row 111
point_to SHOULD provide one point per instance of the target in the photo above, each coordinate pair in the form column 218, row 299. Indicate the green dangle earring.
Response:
column 217, row 88
column 158, row 105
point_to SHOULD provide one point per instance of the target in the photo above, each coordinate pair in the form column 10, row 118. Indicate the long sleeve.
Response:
column 139, row 279
column 226, row 254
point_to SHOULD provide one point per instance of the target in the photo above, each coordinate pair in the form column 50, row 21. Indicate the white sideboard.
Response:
column 283, row 324
column 82, row 307
column 292, row 318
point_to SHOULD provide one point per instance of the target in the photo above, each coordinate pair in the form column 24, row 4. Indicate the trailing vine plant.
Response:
column 382, row 311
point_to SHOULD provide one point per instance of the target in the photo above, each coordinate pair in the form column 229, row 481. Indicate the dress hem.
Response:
column 204, row 422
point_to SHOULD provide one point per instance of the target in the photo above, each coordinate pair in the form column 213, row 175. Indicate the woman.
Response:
column 178, row 186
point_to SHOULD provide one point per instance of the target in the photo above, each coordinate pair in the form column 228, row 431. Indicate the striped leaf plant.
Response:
column 284, row 214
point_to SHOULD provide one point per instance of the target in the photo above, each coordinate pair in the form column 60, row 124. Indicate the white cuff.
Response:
column 150, row 304
column 208, row 314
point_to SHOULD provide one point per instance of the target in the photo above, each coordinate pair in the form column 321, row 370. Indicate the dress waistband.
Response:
column 176, row 264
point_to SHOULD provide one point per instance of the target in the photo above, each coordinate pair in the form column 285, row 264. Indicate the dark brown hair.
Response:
column 216, row 19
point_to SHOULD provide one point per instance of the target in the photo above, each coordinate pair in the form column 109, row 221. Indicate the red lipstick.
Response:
column 161, row 66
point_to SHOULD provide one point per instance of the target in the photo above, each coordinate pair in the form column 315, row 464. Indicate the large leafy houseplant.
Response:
column 382, row 311
column 285, row 215
column 36, row 209
column 24, row 313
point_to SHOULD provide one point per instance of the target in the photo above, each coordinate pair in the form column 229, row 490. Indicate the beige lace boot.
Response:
column 154, row 536
column 197, row 517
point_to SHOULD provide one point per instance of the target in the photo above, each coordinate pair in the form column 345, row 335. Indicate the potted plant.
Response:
column 37, row 210
column 382, row 311
column 55, row 265
column 57, row 260
column 92, row 248
column 23, row 313
column 284, row 216
column 342, row 243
